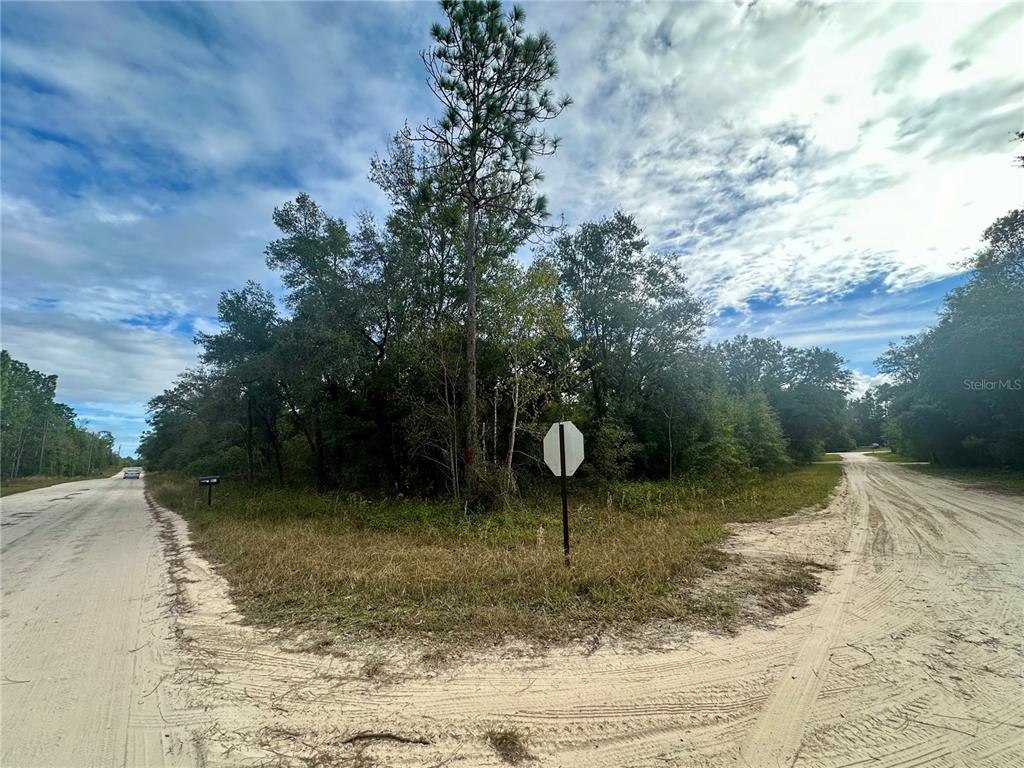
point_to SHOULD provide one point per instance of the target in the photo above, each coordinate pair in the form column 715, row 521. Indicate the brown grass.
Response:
column 338, row 563
column 510, row 746
column 1010, row 481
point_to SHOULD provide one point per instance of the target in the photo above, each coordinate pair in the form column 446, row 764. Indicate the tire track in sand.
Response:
column 911, row 655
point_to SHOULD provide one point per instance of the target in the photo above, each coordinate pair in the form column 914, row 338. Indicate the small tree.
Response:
column 492, row 81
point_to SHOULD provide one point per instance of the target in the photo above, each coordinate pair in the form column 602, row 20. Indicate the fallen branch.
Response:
column 382, row 736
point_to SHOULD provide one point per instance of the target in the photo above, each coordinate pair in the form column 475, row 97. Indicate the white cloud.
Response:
column 790, row 152
column 96, row 360
column 862, row 382
column 793, row 150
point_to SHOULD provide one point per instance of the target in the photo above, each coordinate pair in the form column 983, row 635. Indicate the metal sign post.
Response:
column 565, row 493
column 209, row 481
column 563, row 453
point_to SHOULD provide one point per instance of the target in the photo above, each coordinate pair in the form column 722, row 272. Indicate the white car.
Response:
column 132, row 473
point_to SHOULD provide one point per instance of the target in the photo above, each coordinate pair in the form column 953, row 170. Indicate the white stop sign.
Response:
column 573, row 448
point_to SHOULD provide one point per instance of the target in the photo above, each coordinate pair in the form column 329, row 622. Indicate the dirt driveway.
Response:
column 911, row 655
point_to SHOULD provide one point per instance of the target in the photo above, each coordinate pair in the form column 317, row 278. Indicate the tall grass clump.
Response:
column 345, row 562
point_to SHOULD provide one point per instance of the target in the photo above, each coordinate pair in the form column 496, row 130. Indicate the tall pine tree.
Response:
column 491, row 79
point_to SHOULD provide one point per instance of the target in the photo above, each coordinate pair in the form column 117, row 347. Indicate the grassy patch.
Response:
column 343, row 563
column 22, row 484
column 1003, row 480
column 510, row 746
column 890, row 456
column 831, row 457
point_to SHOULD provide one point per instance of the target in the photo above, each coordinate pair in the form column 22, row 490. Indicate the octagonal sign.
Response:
column 573, row 448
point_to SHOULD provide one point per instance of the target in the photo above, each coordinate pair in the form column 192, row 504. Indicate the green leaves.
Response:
column 958, row 394
column 39, row 435
column 491, row 79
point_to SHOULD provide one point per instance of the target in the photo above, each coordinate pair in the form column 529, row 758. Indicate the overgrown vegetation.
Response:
column 343, row 562
column 510, row 745
column 417, row 355
column 957, row 391
column 39, row 436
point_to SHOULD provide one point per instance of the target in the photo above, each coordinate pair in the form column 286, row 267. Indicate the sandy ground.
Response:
column 911, row 655
column 86, row 637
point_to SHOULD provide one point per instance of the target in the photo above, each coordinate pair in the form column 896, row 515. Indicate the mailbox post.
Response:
column 209, row 481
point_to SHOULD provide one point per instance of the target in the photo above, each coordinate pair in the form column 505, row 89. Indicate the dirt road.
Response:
column 911, row 655
column 86, row 638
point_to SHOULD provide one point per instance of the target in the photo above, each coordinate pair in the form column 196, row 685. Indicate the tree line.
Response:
column 420, row 354
column 360, row 382
column 956, row 390
column 38, row 435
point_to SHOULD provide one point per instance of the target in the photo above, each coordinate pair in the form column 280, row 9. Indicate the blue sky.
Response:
column 820, row 169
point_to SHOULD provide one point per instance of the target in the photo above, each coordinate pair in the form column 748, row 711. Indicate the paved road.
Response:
column 86, row 637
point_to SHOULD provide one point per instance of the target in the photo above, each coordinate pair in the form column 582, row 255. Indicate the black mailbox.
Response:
column 209, row 481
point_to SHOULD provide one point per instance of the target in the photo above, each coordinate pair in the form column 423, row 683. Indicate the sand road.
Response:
column 85, row 634
column 911, row 655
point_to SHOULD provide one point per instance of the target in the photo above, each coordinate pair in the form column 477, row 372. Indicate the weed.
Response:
column 374, row 668
column 332, row 564
column 510, row 746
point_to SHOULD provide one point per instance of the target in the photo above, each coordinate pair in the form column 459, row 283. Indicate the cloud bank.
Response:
column 803, row 160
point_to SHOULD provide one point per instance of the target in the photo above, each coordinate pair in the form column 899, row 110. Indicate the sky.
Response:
column 821, row 170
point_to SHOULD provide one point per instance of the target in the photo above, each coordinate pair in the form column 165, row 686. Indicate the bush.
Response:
column 611, row 450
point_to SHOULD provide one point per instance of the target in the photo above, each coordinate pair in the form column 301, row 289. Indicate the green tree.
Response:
column 40, row 435
column 631, row 318
column 867, row 416
column 807, row 388
column 958, row 392
column 491, row 79
column 242, row 355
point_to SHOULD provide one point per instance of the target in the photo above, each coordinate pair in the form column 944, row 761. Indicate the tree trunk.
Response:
column 277, row 457
column 17, row 455
column 321, row 465
column 451, row 429
column 248, row 439
column 512, row 434
column 472, row 425
column 42, row 445
column 670, row 448
column 275, row 441
column 314, row 445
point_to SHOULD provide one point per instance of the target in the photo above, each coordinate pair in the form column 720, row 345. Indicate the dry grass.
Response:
column 887, row 455
column 410, row 567
column 999, row 480
column 510, row 746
